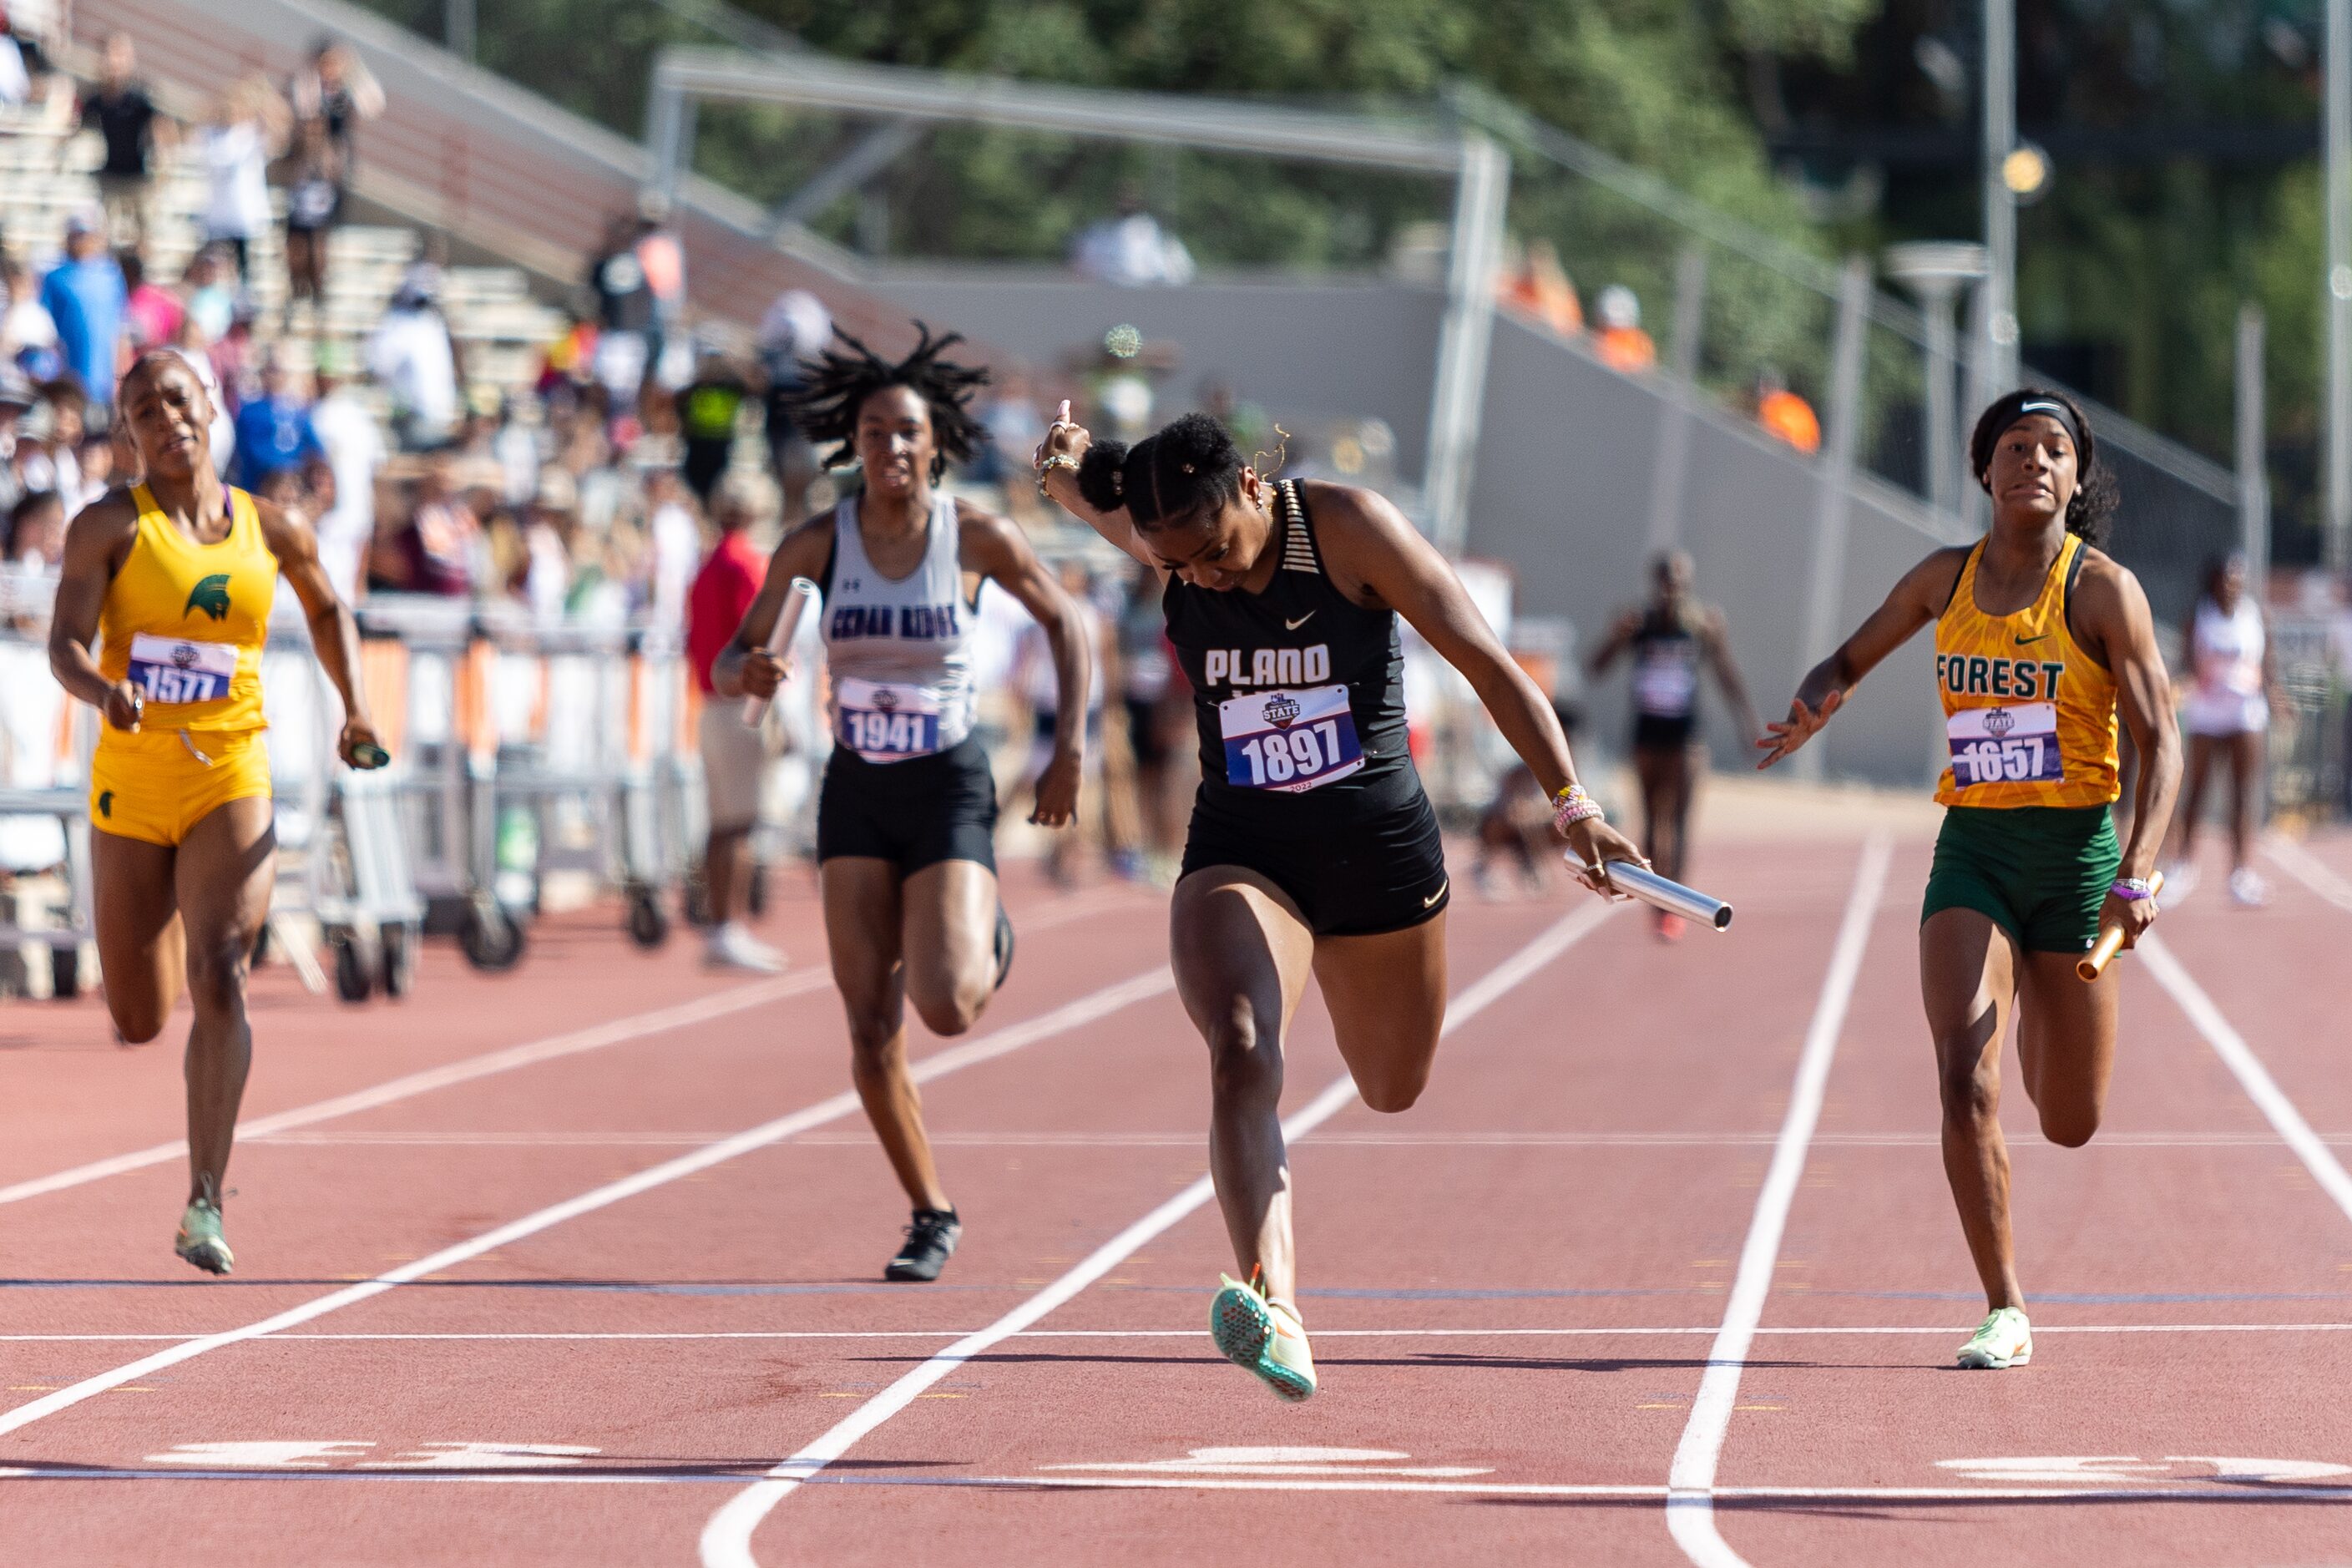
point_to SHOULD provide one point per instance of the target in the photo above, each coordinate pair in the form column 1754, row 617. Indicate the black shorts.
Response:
column 1144, row 736
column 1384, row 873
column 912, row 814
column 1662, row 733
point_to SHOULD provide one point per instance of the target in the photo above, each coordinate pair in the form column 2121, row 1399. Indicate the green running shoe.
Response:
column 2003, row 1339
column 1263, row 1338
column 200, row 1240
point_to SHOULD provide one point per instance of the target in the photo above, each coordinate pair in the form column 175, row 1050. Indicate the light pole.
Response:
column 2337, row 524
column 1936, row 271
column 1996, row 361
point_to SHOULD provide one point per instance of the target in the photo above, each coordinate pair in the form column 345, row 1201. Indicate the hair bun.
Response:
column 1102, row 476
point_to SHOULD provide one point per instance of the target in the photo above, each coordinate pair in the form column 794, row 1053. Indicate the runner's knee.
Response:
column 218, row 972
column 948, row 1003
column 137, row 1022
column 1970, row 1084
column 1396, row 1091
column 1245, row 1061
column 2070, row 1127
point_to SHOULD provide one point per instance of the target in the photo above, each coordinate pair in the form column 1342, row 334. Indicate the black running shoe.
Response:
column 1003, row 946
column 930, row 1242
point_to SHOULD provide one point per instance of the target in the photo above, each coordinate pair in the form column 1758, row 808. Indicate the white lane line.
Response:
column 1933, row 1331
column 701, row 1010
column 726, row 1540
column 1690, row 1508
column 1529, row 1139
column 2309, row 870
column 988, row 1047
column 2252, row 1077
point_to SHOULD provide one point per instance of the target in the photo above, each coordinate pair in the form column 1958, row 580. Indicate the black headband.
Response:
column 2049, row 407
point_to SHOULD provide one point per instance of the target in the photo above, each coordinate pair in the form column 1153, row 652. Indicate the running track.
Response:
column 578, row 1265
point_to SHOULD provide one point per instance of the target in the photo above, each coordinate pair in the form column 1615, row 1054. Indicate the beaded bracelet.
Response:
column 1058, row 460
column 1572, row 806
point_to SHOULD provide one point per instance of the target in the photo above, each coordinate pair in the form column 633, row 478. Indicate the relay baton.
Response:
column 788, row 621
column 2111, row 940
column 1664, row 893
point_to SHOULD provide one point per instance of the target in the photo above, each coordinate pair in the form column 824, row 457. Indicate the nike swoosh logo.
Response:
column 1431, row 902
column 2023, row 641
column 1294, row 626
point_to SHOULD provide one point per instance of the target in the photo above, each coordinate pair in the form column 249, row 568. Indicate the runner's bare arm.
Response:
column 1067, row 440
column 744, row 667
column 1919, row 598
column 994, row 547
column 1375, row 553
column 334, row 633
column 2111, row 611
column 1715, row 636
column 1613, row 647
column 96, row 541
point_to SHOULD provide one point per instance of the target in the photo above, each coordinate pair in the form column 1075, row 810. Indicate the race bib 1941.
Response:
column 884, row 722
column 170, row 669
column 2016, row 743
column 1289, row 740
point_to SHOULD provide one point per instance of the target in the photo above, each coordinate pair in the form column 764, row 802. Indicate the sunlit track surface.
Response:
column 1514, row 1288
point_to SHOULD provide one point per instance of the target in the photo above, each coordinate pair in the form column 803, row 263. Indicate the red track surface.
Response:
column 1514, row 1288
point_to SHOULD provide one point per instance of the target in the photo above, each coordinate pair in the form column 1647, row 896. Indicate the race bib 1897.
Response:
column 1289, row 740
column 884, row 722
column 170, row 669
column 2015, row 743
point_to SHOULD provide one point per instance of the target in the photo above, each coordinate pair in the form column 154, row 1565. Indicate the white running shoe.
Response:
column 733, row 947
column 2247, row 888
column 2003, row 1339
column 2179, row 881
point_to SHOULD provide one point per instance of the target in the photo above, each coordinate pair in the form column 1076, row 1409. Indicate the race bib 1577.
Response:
column 2015, row 743
column 1289, row 740
column 884, row 722
column 170, row 669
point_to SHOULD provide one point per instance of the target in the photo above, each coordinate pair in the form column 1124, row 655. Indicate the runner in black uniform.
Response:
column 906, row 821
column 1312, row 846
column 1668, row 640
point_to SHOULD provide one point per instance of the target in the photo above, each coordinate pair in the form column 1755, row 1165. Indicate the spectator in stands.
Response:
column 438, row 550
column 337, row 92
column 211, row 297
column 516, row 446
column 706, row 420
column 27, row 78
column 28, row 333
column 246, row 128
column 96, row 459
column 1785, row 415
column 37, row 534
column 1538, row 289
column 64, row 413
column 1132, row 248
column 661, row 256
column 236, row 358
column 135, row 132
column 85, row 296
column 274, row 433
column 314, row 197
column 1621, row 344
column 734, row 753
column 549, row 538
column 673, row 551
column 797, row 327
column 152, row 313
column 413, row 357
column 624, row 317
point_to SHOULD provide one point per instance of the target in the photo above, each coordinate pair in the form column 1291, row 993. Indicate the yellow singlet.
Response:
column 185, row 623
column 2030, row 716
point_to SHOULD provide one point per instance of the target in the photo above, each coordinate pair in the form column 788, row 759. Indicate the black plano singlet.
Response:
column 1666, row 666
column 1298, row 691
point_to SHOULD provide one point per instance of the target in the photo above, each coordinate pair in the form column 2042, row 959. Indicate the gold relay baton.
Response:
column 2110, row 940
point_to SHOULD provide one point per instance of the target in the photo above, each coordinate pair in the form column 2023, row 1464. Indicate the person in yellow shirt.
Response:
column 2041, row 642
column 163, row 609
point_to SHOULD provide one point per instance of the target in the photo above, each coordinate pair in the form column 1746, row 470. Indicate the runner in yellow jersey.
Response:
column 2041, row 642
column 173, row 579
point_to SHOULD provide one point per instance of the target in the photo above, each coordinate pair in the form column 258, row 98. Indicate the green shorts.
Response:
column 2039, row 872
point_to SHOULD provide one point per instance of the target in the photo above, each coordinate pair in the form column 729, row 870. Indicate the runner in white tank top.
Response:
column 2226, row 714
column 906, row 819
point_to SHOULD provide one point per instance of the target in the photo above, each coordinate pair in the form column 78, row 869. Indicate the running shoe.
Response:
column 2003, row 1339
column 200, row 1240
column 733, row 947
column 1670, row 927
column 1262, row 1337
column 930, row 1242
column 2247, row 888
column 1003, row 946
column 2179, row 881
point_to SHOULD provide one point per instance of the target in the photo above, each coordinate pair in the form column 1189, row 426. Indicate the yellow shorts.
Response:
column 153, row 785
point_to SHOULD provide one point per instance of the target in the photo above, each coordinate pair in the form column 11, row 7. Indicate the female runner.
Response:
column 2228, row 715
column 1312, row 846
column 173, row 578
column 2041, row 639
column 1668, row 640
column 906, row 817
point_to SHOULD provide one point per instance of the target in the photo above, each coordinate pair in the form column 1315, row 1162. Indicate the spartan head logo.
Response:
column 1280, row 710
column 1998, row 722
column 184, row 656
column 210, row 596
column 885, row 700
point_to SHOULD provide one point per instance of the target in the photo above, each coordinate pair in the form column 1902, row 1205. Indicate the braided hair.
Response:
column 2090, row 512
column 835, row 385
column 1188, row 470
